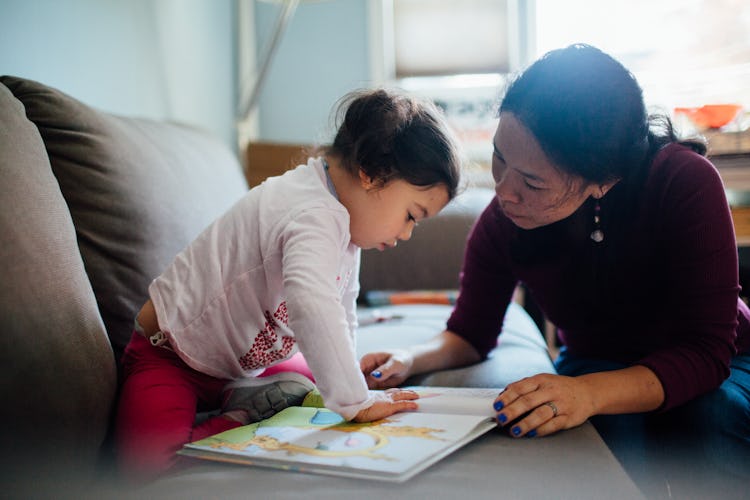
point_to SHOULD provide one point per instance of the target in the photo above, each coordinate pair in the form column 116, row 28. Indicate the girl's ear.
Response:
column 366, row 181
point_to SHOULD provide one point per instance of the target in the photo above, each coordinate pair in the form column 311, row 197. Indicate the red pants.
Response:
column 159, row 400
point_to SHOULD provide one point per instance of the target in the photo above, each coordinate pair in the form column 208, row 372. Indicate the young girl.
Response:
column 276, row 274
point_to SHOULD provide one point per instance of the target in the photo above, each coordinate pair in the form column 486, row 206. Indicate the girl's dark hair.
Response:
column 391, row 136
column 587, row 112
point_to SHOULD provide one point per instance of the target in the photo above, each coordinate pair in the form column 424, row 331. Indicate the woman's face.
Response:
column 532, row 191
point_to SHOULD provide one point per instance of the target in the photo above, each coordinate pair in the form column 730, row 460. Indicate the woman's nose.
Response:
column 505, row 190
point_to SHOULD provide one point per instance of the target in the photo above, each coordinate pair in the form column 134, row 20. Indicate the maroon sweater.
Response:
column 661, row 290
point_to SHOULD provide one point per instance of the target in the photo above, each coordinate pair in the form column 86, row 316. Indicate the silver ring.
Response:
column 554, row 408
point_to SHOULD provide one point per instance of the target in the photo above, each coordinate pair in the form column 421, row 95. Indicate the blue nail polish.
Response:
column 376, row 374
column 516, row 430
column 502, row 418
column 531, row 433
column 498, row 405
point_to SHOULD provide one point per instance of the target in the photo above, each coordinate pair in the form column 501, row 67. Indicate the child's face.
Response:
column 382, row 216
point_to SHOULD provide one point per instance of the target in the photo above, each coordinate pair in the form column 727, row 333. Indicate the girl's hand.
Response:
column 386, row 369
column 401, row 400
column 547, row 404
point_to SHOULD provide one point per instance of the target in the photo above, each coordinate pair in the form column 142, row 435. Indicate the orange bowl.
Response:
column 711, row 115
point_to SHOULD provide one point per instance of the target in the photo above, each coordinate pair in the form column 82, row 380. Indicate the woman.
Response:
column 623, row 236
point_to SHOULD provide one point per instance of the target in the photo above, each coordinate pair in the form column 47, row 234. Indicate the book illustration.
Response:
column 318, row 440
column 319, row 433
column 309, row 438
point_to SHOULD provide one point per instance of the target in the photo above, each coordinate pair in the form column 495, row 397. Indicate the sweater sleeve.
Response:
column 697, row 235
column 314, row 246
column 349, row 299
column 486, row 282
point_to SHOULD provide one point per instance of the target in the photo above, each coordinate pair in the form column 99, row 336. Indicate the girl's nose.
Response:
column 406, row 233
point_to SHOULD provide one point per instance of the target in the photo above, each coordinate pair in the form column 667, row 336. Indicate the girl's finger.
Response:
column 402, row 394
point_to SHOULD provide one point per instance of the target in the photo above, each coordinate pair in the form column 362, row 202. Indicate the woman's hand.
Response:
column 400, row 400
column 545, row 404
column 386, row 369
column 391, row 368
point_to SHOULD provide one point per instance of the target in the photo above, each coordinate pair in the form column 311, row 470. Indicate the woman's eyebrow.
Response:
column 532, row 177
column 527, row 175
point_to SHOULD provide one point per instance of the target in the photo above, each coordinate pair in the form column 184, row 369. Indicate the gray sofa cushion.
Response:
column 58, row 372
column 521, row 350
column 138, row 192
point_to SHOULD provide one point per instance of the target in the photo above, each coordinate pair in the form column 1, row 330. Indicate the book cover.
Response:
column 316, row 440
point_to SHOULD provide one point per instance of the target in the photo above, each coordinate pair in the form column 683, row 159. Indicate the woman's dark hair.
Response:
column 587, row 112
column 391, row 136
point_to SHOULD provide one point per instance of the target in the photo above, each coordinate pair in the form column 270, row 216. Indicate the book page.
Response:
column 456, row 400
column 318, row 440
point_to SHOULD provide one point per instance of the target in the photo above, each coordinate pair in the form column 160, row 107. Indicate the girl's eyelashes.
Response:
column 410, row 218
column 533, row 188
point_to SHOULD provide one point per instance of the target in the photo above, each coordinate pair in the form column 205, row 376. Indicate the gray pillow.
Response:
column 58, row 372
column 138, row 191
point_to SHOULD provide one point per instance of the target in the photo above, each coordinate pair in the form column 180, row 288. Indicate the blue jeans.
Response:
column 693, row 444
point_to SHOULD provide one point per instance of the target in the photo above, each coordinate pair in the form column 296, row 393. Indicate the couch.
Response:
column 94, row 206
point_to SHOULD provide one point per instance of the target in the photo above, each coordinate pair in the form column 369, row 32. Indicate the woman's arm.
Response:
column 630, row 390
column 446, row 350
column 695, row 241
column 391, row 368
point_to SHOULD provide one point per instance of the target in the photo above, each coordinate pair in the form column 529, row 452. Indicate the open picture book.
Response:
column 310, row 438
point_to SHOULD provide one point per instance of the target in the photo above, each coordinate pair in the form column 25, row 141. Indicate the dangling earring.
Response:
column 597, row 235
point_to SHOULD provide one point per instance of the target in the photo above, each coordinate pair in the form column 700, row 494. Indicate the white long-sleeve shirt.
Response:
column 277, row 272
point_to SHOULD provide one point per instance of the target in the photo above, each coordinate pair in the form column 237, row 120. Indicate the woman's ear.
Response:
column 604, row 188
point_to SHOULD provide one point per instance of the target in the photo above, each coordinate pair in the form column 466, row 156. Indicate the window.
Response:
column 443, row 37
column 456, row 52
column 685, row 53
